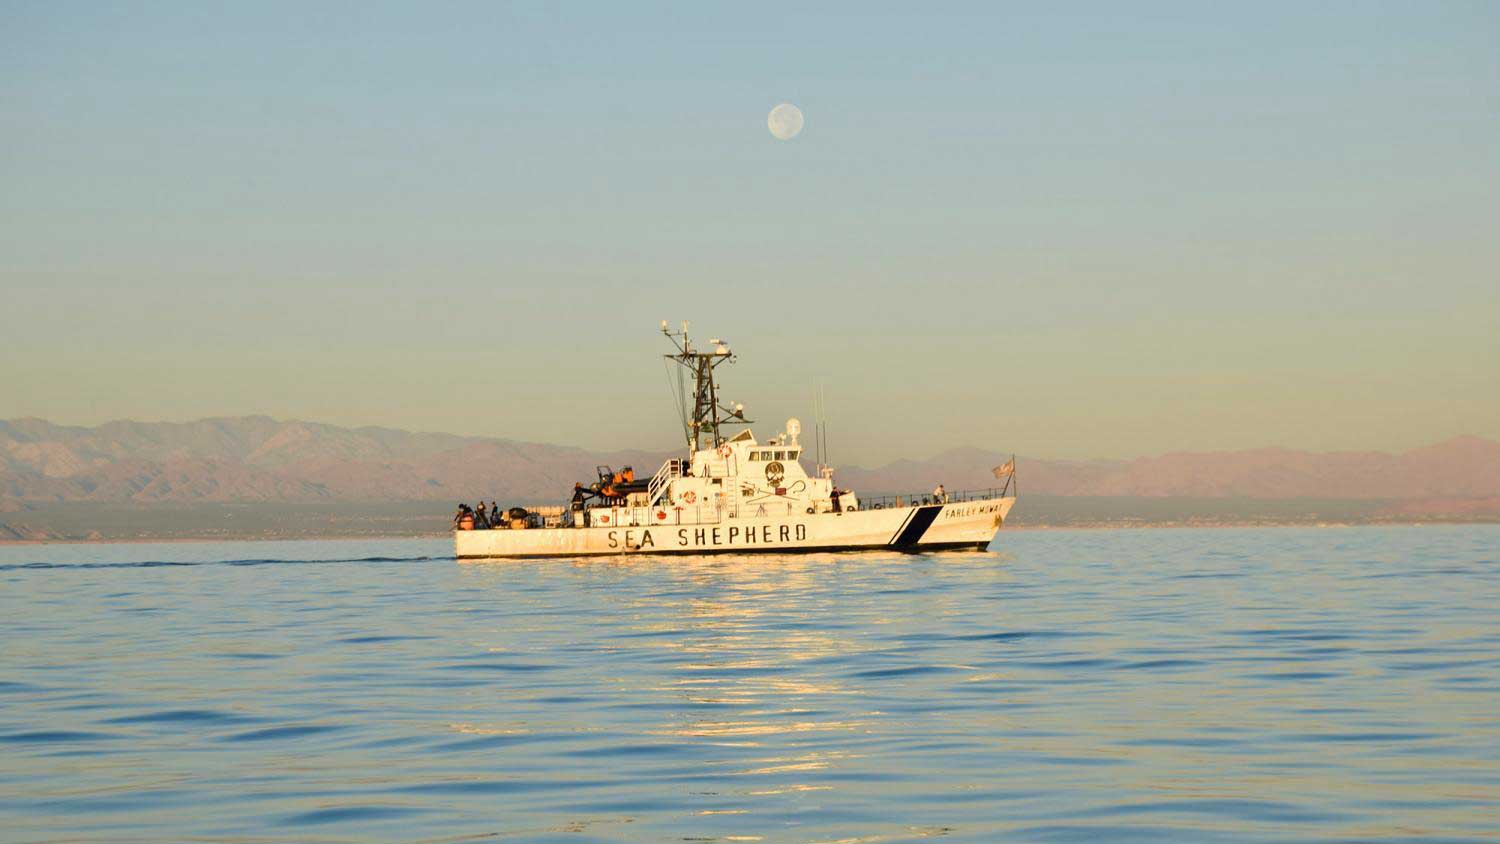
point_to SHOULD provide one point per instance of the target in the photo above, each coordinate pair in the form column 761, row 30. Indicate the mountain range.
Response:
column 260, row 459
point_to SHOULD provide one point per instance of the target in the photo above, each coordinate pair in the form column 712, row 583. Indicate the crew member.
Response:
column 578, row 497
column 481, row 520
column 940, row 495
column 834, row 496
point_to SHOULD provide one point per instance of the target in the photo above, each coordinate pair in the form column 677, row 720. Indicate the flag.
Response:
column 1006, row 469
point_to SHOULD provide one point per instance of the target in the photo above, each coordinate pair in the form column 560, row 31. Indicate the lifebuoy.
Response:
column 603, row 520
column 725, row 451
column 851, row 508
column 690, row 496
column 661, row 515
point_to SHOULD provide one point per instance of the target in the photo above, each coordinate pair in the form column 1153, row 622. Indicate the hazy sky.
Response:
column 1088, row 231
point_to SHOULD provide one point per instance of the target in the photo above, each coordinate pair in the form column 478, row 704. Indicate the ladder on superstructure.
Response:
column 663, row 479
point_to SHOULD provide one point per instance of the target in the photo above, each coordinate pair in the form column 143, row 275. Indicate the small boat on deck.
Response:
column 735, row 494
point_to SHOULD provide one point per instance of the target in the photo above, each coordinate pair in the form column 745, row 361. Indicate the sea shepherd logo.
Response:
column 775, row 472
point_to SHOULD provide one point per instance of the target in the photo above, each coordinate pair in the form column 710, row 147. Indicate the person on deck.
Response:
column 833, row 495
column 579, row 495
column 481, row 521
column 940, row 495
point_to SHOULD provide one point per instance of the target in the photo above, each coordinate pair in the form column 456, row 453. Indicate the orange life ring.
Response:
column 690, row 496
column 661, row 515
column 725, row 451
column 603, row 519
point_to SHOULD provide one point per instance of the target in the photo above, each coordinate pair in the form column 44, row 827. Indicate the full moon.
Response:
column 785, row 121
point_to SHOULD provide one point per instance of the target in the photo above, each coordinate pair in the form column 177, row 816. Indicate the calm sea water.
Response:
column 1140, row 685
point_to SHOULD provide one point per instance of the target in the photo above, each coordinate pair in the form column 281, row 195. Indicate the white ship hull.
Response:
column 968, row 524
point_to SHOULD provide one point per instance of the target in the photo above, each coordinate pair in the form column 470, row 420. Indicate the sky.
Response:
column 1076, row 231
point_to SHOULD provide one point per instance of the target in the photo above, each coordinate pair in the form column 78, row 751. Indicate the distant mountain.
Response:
column 259, row 459
column 256, row 458
column 1461, row 468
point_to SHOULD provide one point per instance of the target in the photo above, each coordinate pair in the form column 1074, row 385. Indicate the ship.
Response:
column 731, row 493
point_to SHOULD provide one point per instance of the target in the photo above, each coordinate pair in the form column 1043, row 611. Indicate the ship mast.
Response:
column 708, row 413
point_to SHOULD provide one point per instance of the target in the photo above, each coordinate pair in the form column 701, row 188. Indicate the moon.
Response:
column 785, row 121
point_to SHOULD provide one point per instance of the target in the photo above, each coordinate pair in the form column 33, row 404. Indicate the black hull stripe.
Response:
column 904, row 523
column 819, row 549
column 918, row 525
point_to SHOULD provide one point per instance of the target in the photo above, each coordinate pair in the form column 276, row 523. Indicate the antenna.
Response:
column 822, row 408
column 820, row 428
column 817, row 440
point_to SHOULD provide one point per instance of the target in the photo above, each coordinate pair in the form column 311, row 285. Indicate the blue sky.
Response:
column 1077, row 231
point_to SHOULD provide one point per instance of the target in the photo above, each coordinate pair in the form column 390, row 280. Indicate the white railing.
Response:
column 669, row 470
column 690, row 516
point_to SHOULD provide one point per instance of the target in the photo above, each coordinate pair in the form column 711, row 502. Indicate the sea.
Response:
column 1146, row 685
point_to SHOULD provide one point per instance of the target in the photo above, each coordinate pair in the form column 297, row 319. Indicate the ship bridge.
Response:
column 741, row 478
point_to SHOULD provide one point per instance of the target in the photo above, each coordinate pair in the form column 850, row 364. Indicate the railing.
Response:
column 883, row 502
column 710, row 514
column 669, row 470
column 698, row 514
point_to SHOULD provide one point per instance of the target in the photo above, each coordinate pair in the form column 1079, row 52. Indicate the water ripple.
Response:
column 282, row 733
column 1162, row 686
